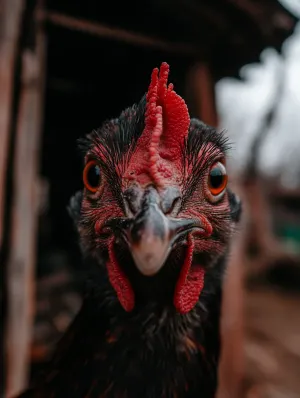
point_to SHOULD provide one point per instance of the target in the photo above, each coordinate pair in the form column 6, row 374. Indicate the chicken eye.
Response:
column 217, row 179
column 92, row 176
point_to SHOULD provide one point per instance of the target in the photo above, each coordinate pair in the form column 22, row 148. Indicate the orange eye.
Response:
column 217, row 179
column 92, row 176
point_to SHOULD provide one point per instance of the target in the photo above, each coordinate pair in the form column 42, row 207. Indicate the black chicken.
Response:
column 154, row 219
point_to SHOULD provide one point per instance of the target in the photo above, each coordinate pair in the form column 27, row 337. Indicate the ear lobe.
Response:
column 74, row 208
column 235, row 206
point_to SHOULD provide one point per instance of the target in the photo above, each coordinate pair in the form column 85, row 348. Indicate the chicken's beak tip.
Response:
column 151, row 234
column 150, row 254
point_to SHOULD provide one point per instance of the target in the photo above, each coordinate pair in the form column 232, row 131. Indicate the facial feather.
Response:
column 153, row 155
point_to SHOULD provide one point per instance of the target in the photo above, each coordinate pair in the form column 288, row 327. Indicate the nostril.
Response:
column 175, row 206
column 132, row 206
column 132, row 198
column 171, row 200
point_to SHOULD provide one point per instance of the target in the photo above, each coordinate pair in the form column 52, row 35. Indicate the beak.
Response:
column 151, row 235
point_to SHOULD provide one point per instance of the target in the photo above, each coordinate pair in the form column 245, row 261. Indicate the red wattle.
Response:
column 119, row 281
column 190, row 283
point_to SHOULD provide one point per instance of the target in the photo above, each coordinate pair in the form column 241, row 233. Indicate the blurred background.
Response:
column 65, row 67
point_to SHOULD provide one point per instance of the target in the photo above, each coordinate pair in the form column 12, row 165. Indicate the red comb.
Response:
column 167, row 122
column 157, row 159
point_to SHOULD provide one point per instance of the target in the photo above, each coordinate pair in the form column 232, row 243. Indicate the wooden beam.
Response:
column 100, row 30
column 25, row 207
column 259, row 321
column 203, row 92
column 231, row 364
column 201, row 11
column 10, row 26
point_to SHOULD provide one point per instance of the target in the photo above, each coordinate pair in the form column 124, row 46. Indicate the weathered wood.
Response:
column 231, row 361
column 259, row 318
column 21, row 260
column 203, row 88
column 261, row 232
column 10, row 25
column 260, row 325
column 100, row 30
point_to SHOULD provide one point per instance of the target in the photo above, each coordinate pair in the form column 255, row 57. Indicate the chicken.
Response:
column 155, row 219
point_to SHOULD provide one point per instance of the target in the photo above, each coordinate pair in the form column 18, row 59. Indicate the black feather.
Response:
column 235, row 206
column 74, row 207
column 118, row 136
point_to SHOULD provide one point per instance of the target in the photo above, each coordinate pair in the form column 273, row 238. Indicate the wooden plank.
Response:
column 100, row 30
column 201, row 83
column 25, row 207
column 10, row 25
column 231, row 364
column 260, row 323
column 261, row 232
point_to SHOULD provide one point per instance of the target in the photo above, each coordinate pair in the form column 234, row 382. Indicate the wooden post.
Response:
column 21, row 259
column 202, row 92
column 10, row 26
column 231, row 364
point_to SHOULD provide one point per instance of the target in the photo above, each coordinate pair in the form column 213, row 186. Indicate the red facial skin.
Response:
column 157, row 160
